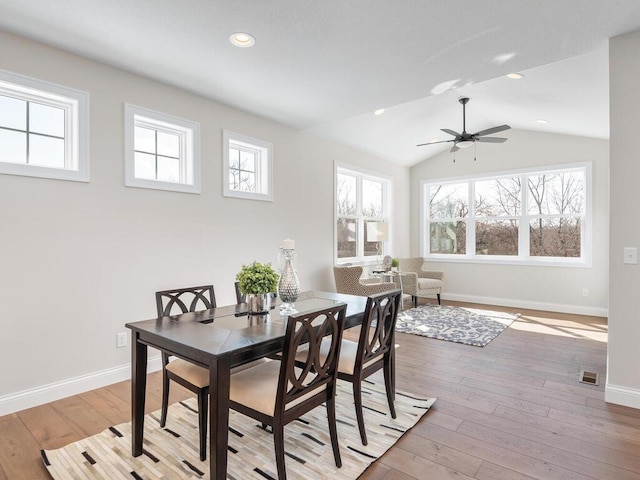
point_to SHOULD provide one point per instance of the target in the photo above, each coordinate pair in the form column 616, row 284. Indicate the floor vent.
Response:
column 589, row 377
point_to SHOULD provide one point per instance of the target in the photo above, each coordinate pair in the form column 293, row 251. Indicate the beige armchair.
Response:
column 418, row 282
column 348, row 281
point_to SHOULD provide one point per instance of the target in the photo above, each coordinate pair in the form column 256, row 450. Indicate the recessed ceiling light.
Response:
column 380, row 111
column 243, row 40
column 515, row 76
column 541, row 120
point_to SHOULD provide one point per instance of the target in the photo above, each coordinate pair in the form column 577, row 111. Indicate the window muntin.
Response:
column 43, row 129
column 162, row 151
column 532, row 216
column 247, row 167
column 360, row 199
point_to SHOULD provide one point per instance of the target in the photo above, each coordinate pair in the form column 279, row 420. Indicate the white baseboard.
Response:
column 509, row 302
column 71, row 386
column 629, row 397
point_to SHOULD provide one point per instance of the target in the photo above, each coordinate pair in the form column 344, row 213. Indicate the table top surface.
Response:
column 230, row 330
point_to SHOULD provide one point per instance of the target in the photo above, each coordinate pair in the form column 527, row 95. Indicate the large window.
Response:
column 361, row 203
column 247, row 167
column 43, row 129
column 162, row 152
column 531, row 217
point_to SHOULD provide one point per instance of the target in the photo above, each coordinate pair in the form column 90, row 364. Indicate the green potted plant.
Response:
column 257, row 281
column 394, row 264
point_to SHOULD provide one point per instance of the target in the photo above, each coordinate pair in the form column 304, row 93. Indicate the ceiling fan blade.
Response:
column 449, row 131
column 433, row 143
column 455, row 148
column 492, row 130
column 492, row 139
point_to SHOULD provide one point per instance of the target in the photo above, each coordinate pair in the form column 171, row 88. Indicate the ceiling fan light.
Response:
column 464, row 144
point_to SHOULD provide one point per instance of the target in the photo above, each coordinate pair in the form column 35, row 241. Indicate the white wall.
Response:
column 79, row 260
column 623, row 376
column 539, row 287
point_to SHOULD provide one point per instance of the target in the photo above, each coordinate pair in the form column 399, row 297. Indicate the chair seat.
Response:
column 347, row 359
column 257, row 387
column 199, row 376
column 429, row 284
column 194, row 374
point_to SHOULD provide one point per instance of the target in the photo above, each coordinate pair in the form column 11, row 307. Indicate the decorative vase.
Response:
column 258, row 302
column 288, row 284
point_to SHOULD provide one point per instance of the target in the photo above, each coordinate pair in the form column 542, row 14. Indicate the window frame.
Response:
column 263, row 166
column 189, row 133
column 523, row 257
column 75, row 103
column 387, row 183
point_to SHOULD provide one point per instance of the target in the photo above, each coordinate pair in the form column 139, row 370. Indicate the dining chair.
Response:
column 189, row 375
column 278, row 392
column 240, row 297
column 373, row 351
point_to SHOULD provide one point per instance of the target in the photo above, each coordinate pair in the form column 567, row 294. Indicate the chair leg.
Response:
column 414, row 299
column 357, row 397
column 388, row 383
column 333, row 430
column 278, row 442
column 203, row 417
column 438, row 295
column 165, row 397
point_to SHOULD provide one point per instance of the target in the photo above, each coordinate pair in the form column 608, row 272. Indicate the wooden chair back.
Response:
column 377, row 334
column 183, row 300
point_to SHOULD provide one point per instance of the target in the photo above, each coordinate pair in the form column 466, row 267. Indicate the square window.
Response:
column 44, row 129
column 162, row 152
column 247, row 167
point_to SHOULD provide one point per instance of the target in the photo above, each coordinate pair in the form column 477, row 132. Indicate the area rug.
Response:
column 173, row 452
column 455, row 324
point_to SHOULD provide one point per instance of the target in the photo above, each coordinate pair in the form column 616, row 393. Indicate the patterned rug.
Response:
column 455, row 324
column 173, row 452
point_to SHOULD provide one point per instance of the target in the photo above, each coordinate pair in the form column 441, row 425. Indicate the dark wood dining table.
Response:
column 218, row 339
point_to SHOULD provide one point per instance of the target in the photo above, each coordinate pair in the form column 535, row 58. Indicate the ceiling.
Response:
column 325, row 66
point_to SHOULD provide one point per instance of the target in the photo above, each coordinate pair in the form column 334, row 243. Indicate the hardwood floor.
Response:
column 513, row 410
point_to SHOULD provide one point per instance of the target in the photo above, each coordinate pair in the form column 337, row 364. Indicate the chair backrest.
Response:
column 347, row 278
column 240, row 298
column 183, row 300
column 306, row 332
column 413, row 264
column 377, row 333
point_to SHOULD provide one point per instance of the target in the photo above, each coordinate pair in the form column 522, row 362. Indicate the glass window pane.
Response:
column 234, row 158
column 371, row 198
column 556, row 193
column 346, row 195
column 247, row 182
column 46, row 151
column 14, row 146
column 145, row 166
column 448, row 237
column 498, row 197
column 13, row 113
column 144, row 140
column 370, row 247
column 497, row 237
column 168, row 144
column 555, row 237
column 248, row 161
column 449, row 201
column 168, row 169
column 347, row 233
column 45, row 119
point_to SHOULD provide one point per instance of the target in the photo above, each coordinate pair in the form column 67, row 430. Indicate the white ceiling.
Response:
column 325, row 66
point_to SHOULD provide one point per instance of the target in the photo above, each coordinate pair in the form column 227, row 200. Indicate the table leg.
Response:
column 138, row 391
column 218, row 418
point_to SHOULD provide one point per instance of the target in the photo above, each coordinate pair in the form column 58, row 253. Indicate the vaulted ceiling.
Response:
column 326, row 66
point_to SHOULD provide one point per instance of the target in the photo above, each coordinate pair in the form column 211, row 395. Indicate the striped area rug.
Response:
column 172, row 452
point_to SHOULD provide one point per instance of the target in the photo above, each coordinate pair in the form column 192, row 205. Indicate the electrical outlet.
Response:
column 121, row 340
column 585, row 292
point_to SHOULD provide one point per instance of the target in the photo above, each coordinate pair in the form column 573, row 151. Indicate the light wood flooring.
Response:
column 513, row 410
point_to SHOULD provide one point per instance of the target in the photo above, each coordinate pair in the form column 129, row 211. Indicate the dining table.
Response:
column 218, row 339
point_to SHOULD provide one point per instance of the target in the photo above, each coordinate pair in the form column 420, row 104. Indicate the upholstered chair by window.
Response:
column 348, row 281
column 422, row 283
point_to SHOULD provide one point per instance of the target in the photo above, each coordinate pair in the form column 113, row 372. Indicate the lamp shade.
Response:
column 377, row 231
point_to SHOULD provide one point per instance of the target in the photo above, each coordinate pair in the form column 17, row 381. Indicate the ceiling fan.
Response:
column 464, row 139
